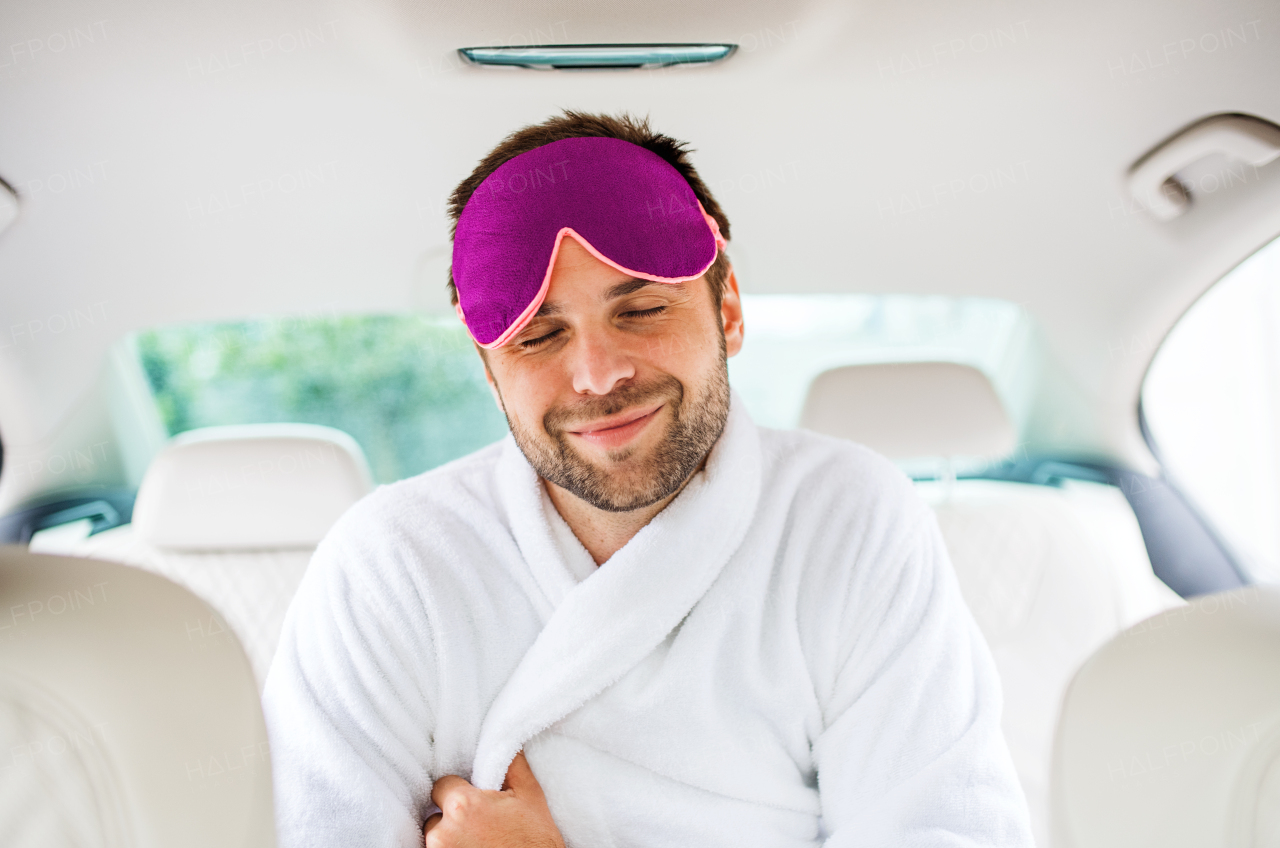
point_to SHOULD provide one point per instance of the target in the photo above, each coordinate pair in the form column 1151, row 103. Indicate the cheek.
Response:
column 528, row 391
column 689, row 347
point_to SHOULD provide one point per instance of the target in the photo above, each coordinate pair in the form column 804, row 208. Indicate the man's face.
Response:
column 618, row 387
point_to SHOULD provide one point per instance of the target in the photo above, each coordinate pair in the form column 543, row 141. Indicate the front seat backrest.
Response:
column 121, row 728
column 1170, row 733
column 234, row 513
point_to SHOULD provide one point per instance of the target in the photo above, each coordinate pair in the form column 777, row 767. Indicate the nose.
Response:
column 599, row 362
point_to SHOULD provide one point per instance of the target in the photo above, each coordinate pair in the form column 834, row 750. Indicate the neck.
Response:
column 601, row 532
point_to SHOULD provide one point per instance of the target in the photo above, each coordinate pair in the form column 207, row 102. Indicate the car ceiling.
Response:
column 181, row 163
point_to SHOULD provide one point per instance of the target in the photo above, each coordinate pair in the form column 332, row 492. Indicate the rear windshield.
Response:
column 411, row 390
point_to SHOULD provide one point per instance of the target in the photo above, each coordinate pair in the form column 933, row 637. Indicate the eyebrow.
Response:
column 626, row 288
column 613, row 293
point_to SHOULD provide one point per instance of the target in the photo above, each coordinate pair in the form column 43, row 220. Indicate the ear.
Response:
column 731, row 315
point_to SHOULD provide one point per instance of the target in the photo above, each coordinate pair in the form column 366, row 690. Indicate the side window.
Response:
column 1211, row 401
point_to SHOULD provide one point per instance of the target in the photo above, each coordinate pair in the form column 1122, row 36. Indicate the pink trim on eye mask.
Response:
column 532, row 309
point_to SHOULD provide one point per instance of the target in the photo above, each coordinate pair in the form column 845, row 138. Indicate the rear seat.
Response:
column 234, row 514
column 1049, row 573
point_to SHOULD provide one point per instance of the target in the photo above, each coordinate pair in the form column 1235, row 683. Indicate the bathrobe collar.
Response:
column 598, row 629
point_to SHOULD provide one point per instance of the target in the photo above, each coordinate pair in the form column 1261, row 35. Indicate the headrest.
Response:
column 255, row 486
column 1170, row 734
column 910, row 410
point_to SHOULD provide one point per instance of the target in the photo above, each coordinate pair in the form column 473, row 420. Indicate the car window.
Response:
column 408, row 388
column 1211, row 402
column 411, row 390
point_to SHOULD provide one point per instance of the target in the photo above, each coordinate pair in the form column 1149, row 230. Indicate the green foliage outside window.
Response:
column 409, row 389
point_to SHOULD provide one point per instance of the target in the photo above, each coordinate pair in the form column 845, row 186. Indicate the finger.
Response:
column 520, row 779
column 432, row 820
column 449, row 788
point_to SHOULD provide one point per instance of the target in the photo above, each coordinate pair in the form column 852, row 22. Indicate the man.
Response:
column 638, row 620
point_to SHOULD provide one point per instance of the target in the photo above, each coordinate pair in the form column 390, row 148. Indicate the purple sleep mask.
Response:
column 626, row 205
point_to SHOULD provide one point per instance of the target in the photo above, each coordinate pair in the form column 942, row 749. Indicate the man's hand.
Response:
column 475, row 818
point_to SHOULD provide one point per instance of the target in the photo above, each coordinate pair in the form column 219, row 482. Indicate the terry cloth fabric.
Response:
column 780, row 658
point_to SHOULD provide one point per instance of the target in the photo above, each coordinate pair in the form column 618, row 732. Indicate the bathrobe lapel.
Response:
column 599, row 629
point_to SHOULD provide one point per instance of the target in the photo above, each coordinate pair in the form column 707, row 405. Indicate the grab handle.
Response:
column 1153, row 179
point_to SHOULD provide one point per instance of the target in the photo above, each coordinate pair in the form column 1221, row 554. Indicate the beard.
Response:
column 635, row 481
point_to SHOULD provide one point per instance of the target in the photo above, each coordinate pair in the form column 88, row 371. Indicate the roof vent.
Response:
column 563, row 57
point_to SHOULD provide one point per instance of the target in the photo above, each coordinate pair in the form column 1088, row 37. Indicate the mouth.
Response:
column 616, row 430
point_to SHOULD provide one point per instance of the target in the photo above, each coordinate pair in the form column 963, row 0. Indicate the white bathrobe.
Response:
column 780, row 657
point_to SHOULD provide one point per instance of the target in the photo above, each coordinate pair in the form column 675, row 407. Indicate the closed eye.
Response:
column 540, row 340
column 644, row 313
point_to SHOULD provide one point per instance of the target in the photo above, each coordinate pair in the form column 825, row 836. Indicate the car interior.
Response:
column 1029, row 252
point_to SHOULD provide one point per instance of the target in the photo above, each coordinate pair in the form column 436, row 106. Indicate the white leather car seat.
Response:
column 1050, row 573
column 118, row 730
column 234, row 514
column 1170, row 734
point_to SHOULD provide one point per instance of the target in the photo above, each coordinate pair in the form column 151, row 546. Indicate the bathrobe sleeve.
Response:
column 349, row 707
column 912, row 753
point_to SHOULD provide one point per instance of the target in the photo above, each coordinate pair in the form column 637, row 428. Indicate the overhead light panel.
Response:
column 565, row 57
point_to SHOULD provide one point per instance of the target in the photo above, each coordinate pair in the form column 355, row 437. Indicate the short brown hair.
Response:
column 584, row 125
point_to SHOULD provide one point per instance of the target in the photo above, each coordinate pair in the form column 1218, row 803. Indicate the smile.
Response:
column 617, row 430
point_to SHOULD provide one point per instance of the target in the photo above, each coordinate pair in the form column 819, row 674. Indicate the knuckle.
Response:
column 459, row 806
